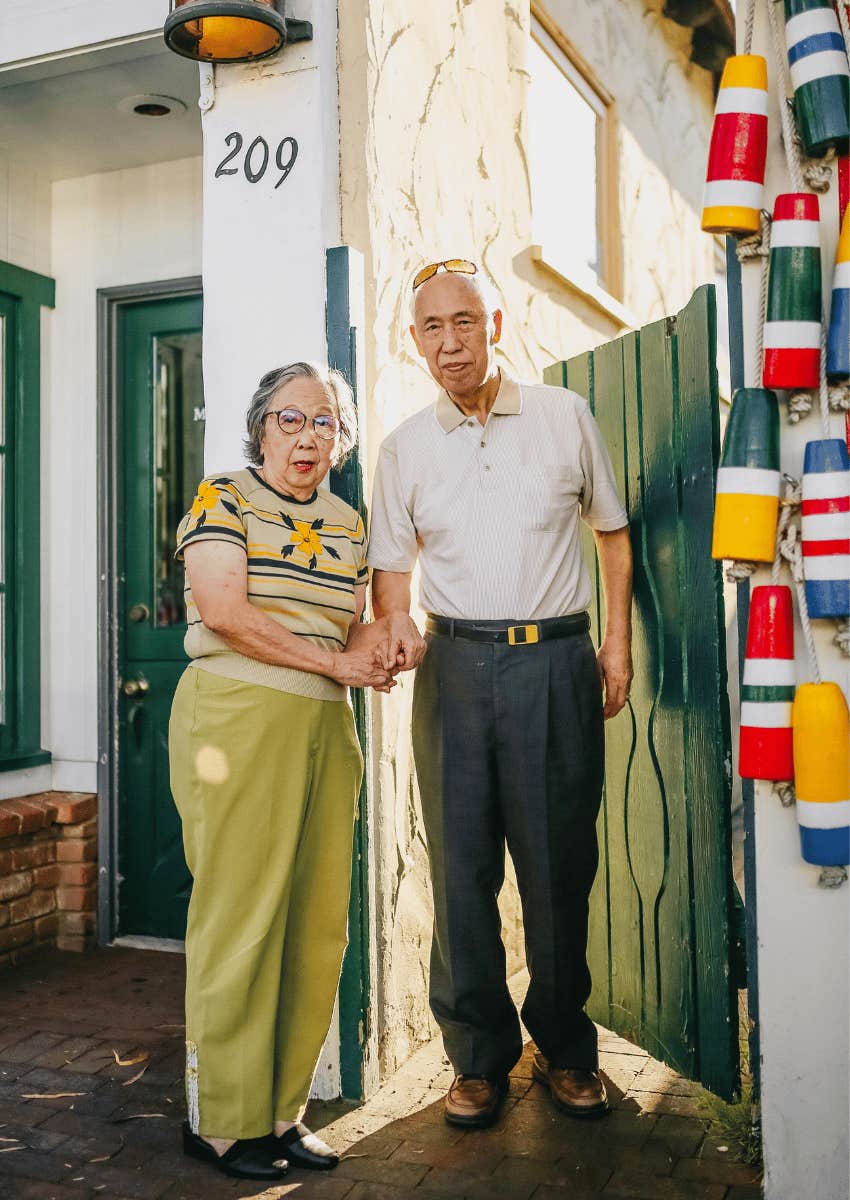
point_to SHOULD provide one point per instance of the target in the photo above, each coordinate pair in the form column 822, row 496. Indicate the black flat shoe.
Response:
column 247, row 1158
column 304, row 1149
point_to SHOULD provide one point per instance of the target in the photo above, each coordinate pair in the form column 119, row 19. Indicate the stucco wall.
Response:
column 434, row 164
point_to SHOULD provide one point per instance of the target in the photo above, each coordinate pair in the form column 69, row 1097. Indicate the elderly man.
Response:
column 486, row 488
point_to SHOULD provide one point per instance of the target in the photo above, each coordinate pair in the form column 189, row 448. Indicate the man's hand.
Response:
column 614, row 660
column 406, row 646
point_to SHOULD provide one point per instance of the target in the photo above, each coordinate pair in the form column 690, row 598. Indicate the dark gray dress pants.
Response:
column 509, row 747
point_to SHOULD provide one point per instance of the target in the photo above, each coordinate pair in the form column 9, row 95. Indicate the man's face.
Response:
column 454, row 333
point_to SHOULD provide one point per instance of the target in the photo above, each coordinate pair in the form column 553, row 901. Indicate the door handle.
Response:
column 136, row 687
column 139, row 613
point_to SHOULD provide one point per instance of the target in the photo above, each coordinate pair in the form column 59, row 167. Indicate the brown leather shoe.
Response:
column 579, row 1093
column 474, row 1102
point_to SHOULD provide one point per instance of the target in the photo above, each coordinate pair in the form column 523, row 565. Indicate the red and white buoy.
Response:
column 767, row 690
column 736, row 159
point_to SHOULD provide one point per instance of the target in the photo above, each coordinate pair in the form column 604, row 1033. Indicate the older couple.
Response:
column 485, row 489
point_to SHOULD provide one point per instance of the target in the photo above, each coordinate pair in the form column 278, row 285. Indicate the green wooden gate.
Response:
column 663, row 929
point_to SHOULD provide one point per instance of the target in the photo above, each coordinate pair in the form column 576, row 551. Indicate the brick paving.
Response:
column 75, row 1124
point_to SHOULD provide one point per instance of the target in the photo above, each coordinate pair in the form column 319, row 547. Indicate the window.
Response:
column 22, row 293
column 572, row 148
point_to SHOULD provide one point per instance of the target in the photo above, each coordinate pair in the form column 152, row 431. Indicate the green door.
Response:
column 663, row 950
column 161, row 436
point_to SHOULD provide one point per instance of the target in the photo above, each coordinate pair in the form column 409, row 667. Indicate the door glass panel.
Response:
column 179, row 420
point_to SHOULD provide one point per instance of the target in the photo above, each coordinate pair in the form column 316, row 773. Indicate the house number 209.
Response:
column 256, row 160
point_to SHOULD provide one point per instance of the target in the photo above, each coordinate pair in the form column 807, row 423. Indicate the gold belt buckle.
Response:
column 523, row 635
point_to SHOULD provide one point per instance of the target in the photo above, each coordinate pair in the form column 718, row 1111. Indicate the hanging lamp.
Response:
column 231, row 31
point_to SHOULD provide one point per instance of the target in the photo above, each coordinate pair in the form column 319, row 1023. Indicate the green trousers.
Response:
column 266, row 785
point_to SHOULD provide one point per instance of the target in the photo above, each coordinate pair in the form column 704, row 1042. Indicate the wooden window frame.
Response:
column 24, row 293
column 608, row 292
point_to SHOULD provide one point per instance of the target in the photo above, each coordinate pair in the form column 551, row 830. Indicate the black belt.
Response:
column 515, row 635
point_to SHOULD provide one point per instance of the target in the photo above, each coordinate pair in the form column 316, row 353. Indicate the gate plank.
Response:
column 707, row 735
column 624, row 897
column 670, row 1033
column 660, row 930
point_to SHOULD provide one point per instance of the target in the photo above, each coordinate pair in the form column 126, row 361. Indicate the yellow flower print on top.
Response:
column 206, row 499
column 305, row 537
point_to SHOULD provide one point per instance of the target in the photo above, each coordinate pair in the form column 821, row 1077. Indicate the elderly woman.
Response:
column 266, row 769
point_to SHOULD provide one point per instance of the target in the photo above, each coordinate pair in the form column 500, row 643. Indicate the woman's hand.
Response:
column 361, row 666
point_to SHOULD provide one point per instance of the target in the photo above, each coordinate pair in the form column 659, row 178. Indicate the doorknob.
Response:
column 136, row 687
column 139, row 613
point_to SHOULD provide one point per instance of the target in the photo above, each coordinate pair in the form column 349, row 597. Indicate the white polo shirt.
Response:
column 493, row 512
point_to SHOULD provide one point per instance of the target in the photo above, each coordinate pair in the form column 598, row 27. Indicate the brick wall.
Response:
column 48, row 873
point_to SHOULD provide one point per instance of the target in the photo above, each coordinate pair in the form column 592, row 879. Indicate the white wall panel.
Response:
column 124, row 227
column 37, row 28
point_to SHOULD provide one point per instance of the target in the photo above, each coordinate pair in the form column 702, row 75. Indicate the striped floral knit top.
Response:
column 305, row 559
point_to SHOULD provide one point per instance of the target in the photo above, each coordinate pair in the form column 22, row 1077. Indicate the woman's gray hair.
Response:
column 336, row 389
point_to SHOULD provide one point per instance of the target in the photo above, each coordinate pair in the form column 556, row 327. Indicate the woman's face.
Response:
column 296, row 463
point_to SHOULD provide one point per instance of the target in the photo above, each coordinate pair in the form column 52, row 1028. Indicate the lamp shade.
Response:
column 225, row 31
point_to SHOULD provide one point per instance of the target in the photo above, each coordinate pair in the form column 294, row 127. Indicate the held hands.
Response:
column 362, row 665
column 614, row 660
column 376, row 652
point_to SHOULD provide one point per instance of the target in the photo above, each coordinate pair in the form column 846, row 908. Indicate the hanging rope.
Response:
column 842, row 637
column 799, row 406
column 817, row 172
column 788, row 505
column 839, row 397
column 785, row 113
column 749, row 25
column 740, row 569
column 823, row 391
column 844, row 22
column 792, row 552
column 786, row 793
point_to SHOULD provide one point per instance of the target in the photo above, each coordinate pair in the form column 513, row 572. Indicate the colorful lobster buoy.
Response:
column 838, row 345
column 767, row 691
column 819, row 75
column 826, row 527
column 822, row 773
column 746, row 506
column 793, row 328
column 736, row 159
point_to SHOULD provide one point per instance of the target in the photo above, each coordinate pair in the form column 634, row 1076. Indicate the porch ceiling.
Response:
column 65, row 121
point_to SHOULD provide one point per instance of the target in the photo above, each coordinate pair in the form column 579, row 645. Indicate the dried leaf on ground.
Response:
column 137, row 1117
column 131, row 1062
column 49, row 1095
column 136, row 1077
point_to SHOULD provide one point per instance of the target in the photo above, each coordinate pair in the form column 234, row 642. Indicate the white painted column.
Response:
column 803, row 929
column 266, row 230
column 271, row 209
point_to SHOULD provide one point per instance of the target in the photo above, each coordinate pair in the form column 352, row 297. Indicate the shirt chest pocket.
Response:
column 549, row 495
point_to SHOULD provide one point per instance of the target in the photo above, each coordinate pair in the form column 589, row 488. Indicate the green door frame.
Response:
column 109, row 301
column 344, row 324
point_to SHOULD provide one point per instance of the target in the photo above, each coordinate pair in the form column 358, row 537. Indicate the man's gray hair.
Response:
column 481, row 283
column 337, row 391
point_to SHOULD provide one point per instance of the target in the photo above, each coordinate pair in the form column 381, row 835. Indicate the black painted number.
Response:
column 236, row 140
column 256, row 161
column 250, row 174
column 287, row 166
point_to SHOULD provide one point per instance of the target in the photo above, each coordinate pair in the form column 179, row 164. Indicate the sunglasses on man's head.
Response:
column 460, row 266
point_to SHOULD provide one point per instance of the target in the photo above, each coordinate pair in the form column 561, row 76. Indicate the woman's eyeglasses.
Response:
column 460, row 266
column 292, row 420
